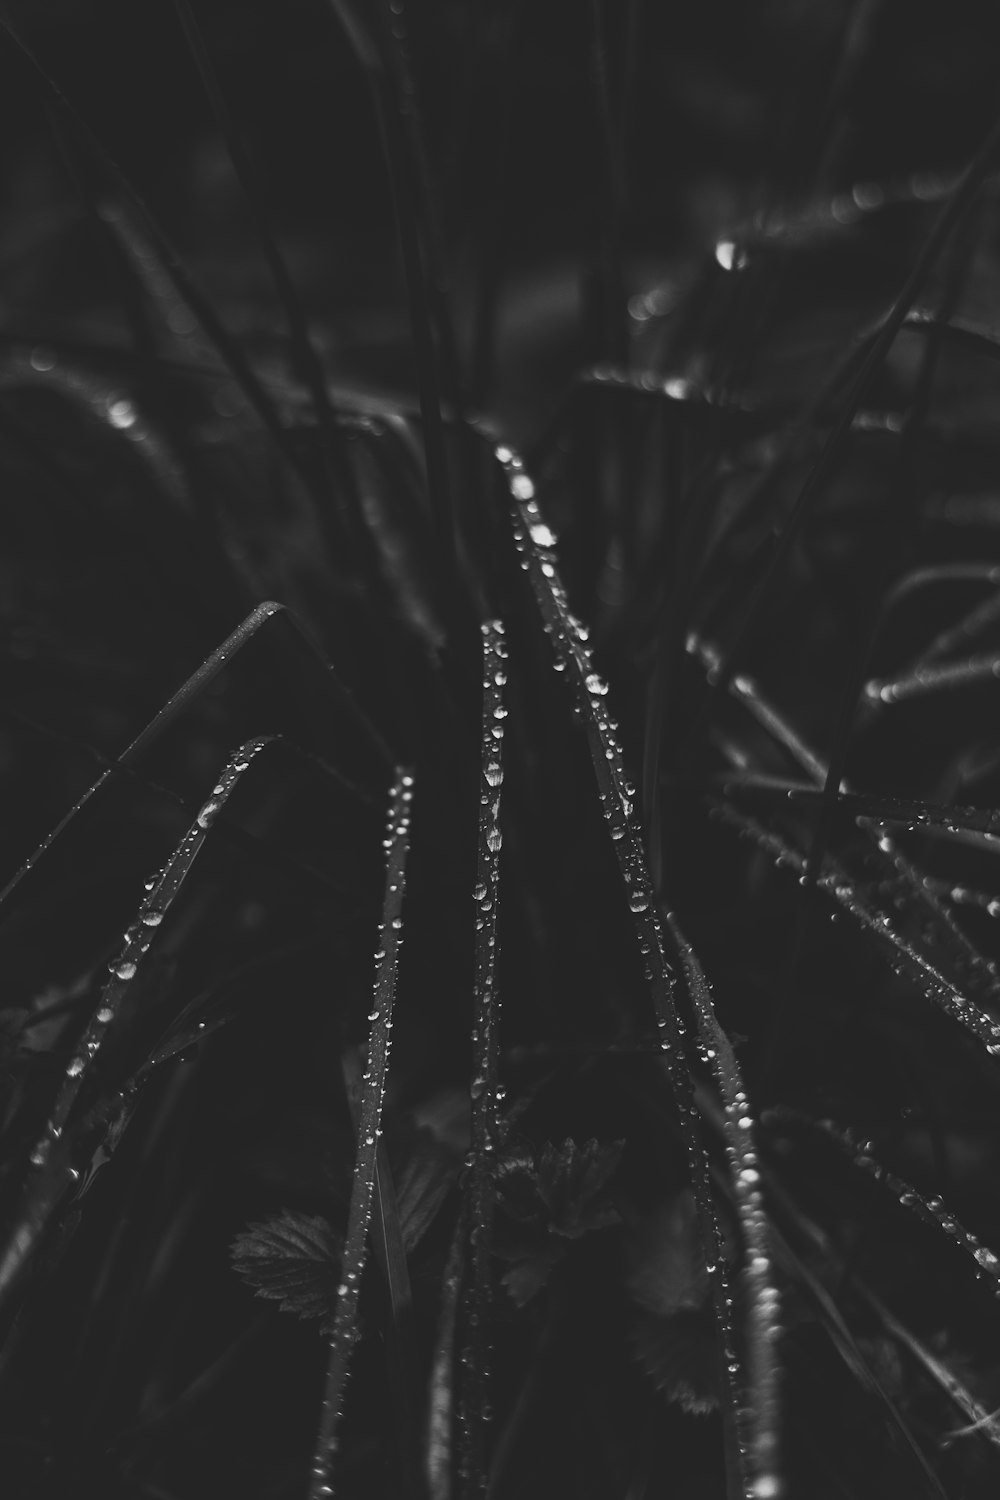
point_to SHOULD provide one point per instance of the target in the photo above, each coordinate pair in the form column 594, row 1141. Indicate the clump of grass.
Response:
column 663, row 551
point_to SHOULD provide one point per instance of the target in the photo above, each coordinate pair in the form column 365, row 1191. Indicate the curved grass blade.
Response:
column 934, row 1367
column 930, row 1211
column 844, row 1342
column 477, row 1307
column 985, row 1422
column 403, row 184
column 951, row 214
column 760, row 1416
column 300, row 652
column 51, row 1174
column 568, row 637
column 134, row 225
column 306, row 357
column 345, row 1328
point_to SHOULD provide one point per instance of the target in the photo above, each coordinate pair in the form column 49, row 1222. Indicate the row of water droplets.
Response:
column 931, row 1210
column 934, row 677
column 477, row 1306
column 396, row 845
column 45, row 1188
column 535, row 543
column 910, row 886
column 906, row 959
column 907, row 882
column 760, row 1415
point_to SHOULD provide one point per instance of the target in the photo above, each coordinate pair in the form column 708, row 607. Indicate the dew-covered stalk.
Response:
column 836, row 884
column 477, row 1308
column 300, row 654
column 52, row 1173
column 760, row 1414
column 345, row 1326
column 930, row 1210
column 535, row 544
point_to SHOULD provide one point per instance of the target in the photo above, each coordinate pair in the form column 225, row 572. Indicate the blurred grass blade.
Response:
column 309, row 365
column 364, row 33
column 951, row 214
column 477, row 1309
column 345, row 1328
column 441, row 1405
column 133, row 223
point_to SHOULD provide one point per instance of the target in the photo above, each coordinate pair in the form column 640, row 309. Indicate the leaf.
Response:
column 666, row 1270
column 679, row 1356
column 293, row 1260
column 530, row 1271
column 422, row 1184
column 571, row 1183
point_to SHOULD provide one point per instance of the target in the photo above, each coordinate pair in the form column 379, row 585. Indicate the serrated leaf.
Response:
column 422, row 1184
column 294, row 1260
column 530, row 1270
column 679, row 1354
column 571, row 1183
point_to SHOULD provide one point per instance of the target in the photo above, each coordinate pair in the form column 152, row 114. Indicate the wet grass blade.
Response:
column 951, row 214
column 345, row 1327
column 51, row 1174
column 760, row 1415
column 931, row 1211
column 837, row 884
column 477, row 1309
column 837, row 1330
column 299, row 652
column 535, row 545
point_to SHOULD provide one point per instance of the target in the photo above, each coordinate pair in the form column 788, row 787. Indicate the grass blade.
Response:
column 535, row 543
column 930, row 1211
column 345, row 1328
column 310, row 366
column 135, row 227
column 836, row 884
column 761, row 1413
column 478, row 1302
column 299, row 652
column 51, row 1175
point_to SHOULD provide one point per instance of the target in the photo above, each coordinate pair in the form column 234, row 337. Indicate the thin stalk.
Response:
column 476, row 1408
column 345, row 1326
column 52, row 1175
column 568, row 638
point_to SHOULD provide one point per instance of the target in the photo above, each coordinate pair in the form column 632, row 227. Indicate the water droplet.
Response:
column 521, row 487
column 638, row 901
column 152, row 918
column 75, row 1067
column 125, row 969
column 207, row 813
column 494, row 773
column 541, row 535
column 494, row 840
column 105, row 1014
